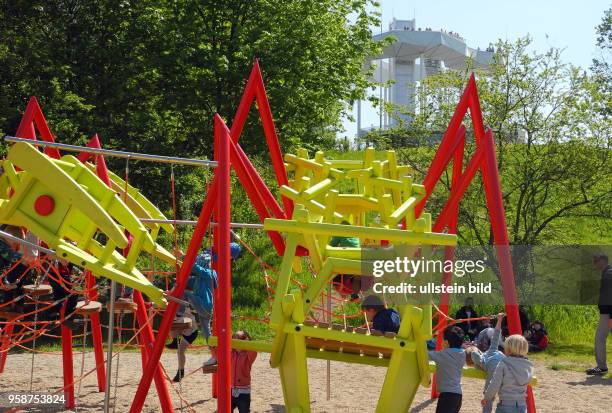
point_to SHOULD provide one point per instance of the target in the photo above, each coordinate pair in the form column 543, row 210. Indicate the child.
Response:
column 188, row 337
column 242, row 361
column 381, row 318
column 199, row 294
column 60, row 279
column 14, row 270
column 511, row 377
column 537, row 337
column 449, row 365
column 491, row 357
column 344, row 283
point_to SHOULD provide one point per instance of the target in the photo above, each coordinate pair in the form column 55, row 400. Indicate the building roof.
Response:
column 411, row 44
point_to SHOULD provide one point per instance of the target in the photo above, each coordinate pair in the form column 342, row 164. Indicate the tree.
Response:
column 601, row 66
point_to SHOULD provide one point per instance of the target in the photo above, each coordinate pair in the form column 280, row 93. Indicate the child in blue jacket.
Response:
column 199, row 293
column 489, row 360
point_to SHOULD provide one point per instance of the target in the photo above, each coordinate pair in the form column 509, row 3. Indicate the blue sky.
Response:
column 560, row 23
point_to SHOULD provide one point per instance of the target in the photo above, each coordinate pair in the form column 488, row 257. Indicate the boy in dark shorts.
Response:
column 449, row 364
column 188, row 337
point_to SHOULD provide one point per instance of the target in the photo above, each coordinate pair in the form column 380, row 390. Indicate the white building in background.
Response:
column 416, row 54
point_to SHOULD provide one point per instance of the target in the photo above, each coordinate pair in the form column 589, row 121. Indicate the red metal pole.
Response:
column 458, row 190
column 224, row 329
column 255, row 89
column 6, row 342
column 33, row 114
column 497, row 215
column 259, row 183
column 440, row 162
column 216, row 300
column 67, row 361
column 96, row 334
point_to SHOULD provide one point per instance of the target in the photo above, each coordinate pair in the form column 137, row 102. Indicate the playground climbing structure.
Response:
column 65, row 203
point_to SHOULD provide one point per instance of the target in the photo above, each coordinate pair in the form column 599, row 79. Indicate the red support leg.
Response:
column 146, row 337
column 67, row 362
column 224, row 329
column 96, row 334
column 497, row 215
column 6, row 343
column 449, row 252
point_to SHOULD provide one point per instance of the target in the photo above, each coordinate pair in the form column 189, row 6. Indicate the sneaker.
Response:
column 179, row 376
column 597, row 371
column 209, row 366
column 173, row 345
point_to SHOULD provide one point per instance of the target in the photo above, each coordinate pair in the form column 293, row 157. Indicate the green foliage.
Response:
column 148, row 76
column 601, row 65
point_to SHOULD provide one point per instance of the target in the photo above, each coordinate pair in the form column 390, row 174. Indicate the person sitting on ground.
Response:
column 242, row 361
column 380, row 318
column 346, row 283
column 511, row 377
column 490, row 358
column 525, row 324
column 14, row 269
column 180, row 343
column 537, row 337
column 449, row 367
column 469, row 327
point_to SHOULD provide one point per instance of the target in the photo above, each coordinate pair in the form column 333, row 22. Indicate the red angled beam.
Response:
column 33, row 119
column 255, row 90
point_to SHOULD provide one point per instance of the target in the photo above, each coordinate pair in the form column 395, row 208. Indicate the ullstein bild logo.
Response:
column 433, row 288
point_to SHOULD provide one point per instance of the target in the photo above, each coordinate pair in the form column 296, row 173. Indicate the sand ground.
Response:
column 354, row 388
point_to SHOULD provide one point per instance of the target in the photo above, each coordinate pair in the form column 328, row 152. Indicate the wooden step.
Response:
column 88, row 307
column 38, row 290
column 123, row 306
column 344, row 347
column 181, row 324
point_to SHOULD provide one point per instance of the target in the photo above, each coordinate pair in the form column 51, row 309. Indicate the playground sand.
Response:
column 354, row 388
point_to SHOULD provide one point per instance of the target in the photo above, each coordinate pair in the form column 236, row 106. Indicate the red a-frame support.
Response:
column 484, row 160
column 228, row 153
